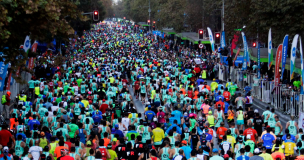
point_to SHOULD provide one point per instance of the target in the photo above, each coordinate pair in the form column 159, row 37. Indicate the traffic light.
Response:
column 124, row 17
column 217, row 38
column 153, row 27
column 200, row 34
column 253, row 44
column 153, row 22
column 148, row 21
column 95, row 15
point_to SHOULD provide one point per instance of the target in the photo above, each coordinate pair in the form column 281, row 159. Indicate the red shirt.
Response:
column 103, row 153
column 190, row 94
column 124, row 81
column 226, row 95
column 137, row 85
column 252, row 132
column 219, row 103
column 67, row 157
column 69, row 144
column 103, row 107
column 5, row 136
column 221, row 132
column 197, row 70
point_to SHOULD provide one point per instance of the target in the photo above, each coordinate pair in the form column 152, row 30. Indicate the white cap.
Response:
column 155, row 119
column 248, row 136
column 256, row 151
column 5, row 148
column 256, row 111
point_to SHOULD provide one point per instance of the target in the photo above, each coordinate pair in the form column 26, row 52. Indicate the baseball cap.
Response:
column 214, row 150
column 103, row 100
column 5, row 148
column 184, row 142
column 114, row 139
column 149, row 106
column 256, row 151
column 256, row 111
column 116, row 126
column 42, row 134
column 226, row 156
column 155, row 119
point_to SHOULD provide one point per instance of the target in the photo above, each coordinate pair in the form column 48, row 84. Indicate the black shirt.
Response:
column 132, row 154
column 139, row 147
column 121, row 151
column 258, row 122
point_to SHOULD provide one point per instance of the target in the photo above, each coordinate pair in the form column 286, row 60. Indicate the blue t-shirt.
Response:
column 247, row 89
column 97, row 118
column 150, row 115
column 293, row 138
column 199, row 81
column 177, row 115
column 226, row 107
column 217, row 98
column 32, row 122
column 187, row 150
column 243, row 157
column 267, row 140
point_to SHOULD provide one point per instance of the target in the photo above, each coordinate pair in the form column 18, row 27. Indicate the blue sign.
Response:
column 239, row 60
column 223, row 42
column 259, row 61
column 3, row 70
column 284, row 54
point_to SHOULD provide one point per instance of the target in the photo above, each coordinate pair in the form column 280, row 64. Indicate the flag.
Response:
column 277, row 65
column 293, row 55
column 211, row 39
column 284, row 54
column 27, row 43
column 244, row 67
column 233, row 43
column 223, row 42
column 237, row 53
column 302, row 67
column 270, row 52
column 34, row 47
column 8, row 83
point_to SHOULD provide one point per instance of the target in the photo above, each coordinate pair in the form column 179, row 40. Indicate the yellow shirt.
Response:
column 158, row 134
column 85, row 102
column 266, row 156
column 112, row 80
column 289, row 148
column 130, row 116
column 213, row 85
column 280, row 149
column 231, row 140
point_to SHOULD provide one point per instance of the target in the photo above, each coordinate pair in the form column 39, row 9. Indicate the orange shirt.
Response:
column 195, row 94
column 183, row 90
column 208, row 87
column 59, row 84
column 13, row 122
column 106, row 142
column 58, row 152
column 221, row 132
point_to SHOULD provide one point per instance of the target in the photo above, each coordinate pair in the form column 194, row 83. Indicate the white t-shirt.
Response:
column 125, row 121
column 35, row 151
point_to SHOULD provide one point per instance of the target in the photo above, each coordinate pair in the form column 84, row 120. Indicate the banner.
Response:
column 293, row 55
column 259, row 61
column 237, row 53
column 302, row 67
column 277, row 65
column 270, row 51
column 34, row 47
column 211, row 39
column 3, row 70
column 284, row 54
column 244, row 67
column 233, row 43
column 223, row 42
column 27, row 44
column 8, row 82
column 301, row 120
column 31, row 63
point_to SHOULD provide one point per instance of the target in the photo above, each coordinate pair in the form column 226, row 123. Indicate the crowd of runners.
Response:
column 121, row 94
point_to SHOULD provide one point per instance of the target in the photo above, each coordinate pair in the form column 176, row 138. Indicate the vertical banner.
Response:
column 3, row 70
column 234, row 42
column 8, row 82
column 284, row 54
column 244, row 67
column 293, row 55
column 34, row 47
column 259, row 61
column 277, row 65
column 18, row 72
column 31, row 63
column 302, row 67
column 223, row 42
column 211, row 39
column 237, row 53
column 270, row 52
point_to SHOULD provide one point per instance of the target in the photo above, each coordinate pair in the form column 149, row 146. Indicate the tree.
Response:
column 41, row 19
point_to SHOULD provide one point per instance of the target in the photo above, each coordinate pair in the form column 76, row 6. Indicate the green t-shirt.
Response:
column 58, row 100
column 232, row 89
column 73, row 128
column 112, row 154
column 112, row 79
column 266, row 156
column 79, row 81
column 31, row 84
column 130, row 133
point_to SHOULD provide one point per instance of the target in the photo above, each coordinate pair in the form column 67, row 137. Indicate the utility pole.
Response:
column 223, row 15
column 149, row 16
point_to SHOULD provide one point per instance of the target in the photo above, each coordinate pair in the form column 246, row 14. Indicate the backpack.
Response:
column 95, row 130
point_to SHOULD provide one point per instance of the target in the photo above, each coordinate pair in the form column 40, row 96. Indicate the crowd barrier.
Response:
column 281, row 97
column 16, row 88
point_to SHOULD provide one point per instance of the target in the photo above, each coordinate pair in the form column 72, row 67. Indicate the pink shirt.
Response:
column 161, row 117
